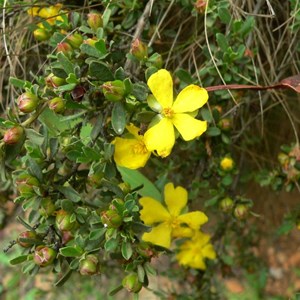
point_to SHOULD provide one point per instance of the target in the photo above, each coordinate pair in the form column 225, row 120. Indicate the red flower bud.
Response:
column 94, row 20
column 89, row 265
column 44, row 256
column 139, row 49
column 26, row 235
column 27, row 102
column 131, row 283
column 225, row 124
column 13, row 135
column 65, row 48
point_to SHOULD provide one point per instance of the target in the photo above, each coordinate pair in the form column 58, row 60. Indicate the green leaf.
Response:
column 34, row 137
column 65, row 62
column 91, row 51
column 115, row 290
column 224, row 15
column 64, row 278
column 70, row 193
column 286, row 227
column 97, row 127
column 247, row 26
column 135, row 179
column 140, row 91
column 106, row 16
column 141, row 273
column 118, row 118
column 213, row 131
column 126, row 250
column 71, row 251
column 67, row 87
column 72, row 78
column 222, row 41
column 97, row 234
column 111, row 245
column 206, row 114
column 100, row 71
column 18, row 260
column 19, row 83
column 184, row 76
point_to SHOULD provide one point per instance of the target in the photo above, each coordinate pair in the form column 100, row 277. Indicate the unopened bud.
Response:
column 139, row 49
column 131, row 283
column 66, row 236
column 41, row 34
column 27, row 102
column 114, row 90
column 75, row 40
column 200, row 6
column 225, row 124
column 89, row 265
column 54, row 81
column 241, row 211
column 63, row 220
column 13, row 135
column 44, row 256
column 26, row 183
column 26, row 235
column 226, row 204
column 156, row 60
column 47, row 207
column 111, row 218
column 94, row 20
column 65, row 48
column 90, row 42
column 57, row 104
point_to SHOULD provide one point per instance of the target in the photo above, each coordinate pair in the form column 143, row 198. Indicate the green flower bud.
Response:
column 114, row 90
column 139, row 50
column 241, row 211
column 75, row 40
column 54, row 81
column 63, row 220
column 25, row 184
column 90, row 42
column 26, row 235
column 125, row 187
column 44, row 256
column 226, row 204
column 283, row 158
column 225, row 124
column 41, row 34
column 131, row 283
column 144, row 250
column 89, row 265
column 13, row 135
column 94, row 20
column 57, row 104
column 111, row 218
column 47, row 207
column 27, row 102
column 65, row 48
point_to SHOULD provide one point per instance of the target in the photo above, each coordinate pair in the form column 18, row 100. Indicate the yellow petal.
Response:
column 193, row 219
column 190, row 99
column 160, row 137
column 33, row 11
column 134, row 131
column 188, row 127
column 159, row 235
column 209, row 251
column 130, row 153
column 175, row 198
column 161, row 86
column 181, row 232
column 153, row 211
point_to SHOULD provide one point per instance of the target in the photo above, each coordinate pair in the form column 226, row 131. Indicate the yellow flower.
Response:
column 33, row 11
column 161, row 136
column 131, row 152
column 192, row 253
column 167, row 221
column 227, row 164
column 51, row 11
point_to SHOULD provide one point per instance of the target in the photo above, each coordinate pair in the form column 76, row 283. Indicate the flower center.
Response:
column 168, row 112
column 174, row 222
column 139, row 148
